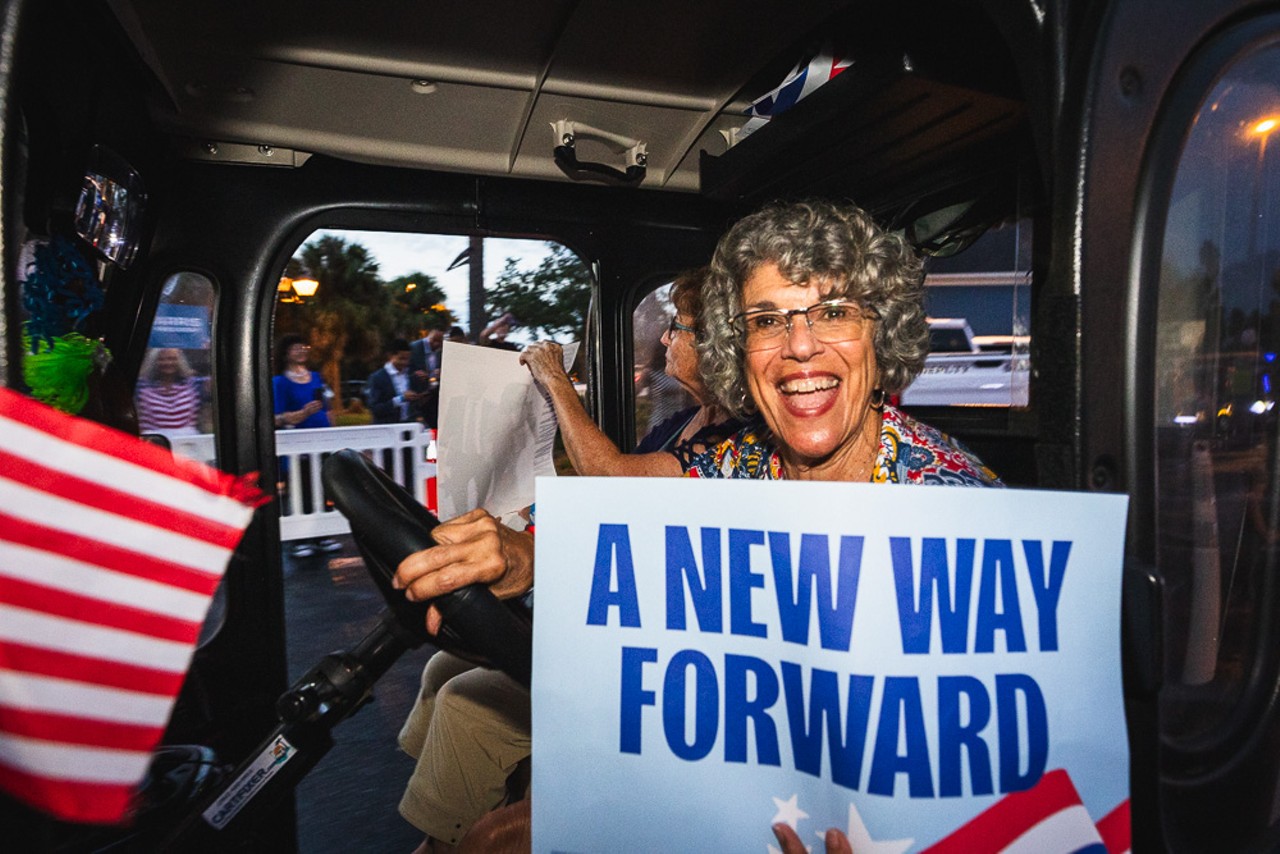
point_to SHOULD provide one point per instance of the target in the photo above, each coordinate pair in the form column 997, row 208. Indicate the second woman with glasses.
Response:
column 671, row 446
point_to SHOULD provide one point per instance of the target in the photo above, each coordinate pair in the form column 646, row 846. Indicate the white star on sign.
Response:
column 788, row 811
column 862, row 843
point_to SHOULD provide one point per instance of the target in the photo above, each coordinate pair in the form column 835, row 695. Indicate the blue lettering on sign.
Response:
column 613, row 549
column 835, row 603
column 706, row 704
column 742, row 581
column 704, row 587
column 998, row 576
column 821, row 726
column 634, row 696
column 935, row 577
column 1008, row 688
column 948, row 589
column 1047, row 590
column 807, row 729
column 901, row 712
column 738, row 709
column 955, row 736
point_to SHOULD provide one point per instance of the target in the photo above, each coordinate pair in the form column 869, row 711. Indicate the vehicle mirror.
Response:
column 947, row 231
column 109, row 212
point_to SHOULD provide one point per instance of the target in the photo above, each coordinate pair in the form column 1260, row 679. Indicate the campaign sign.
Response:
column 926, row 668
column 185, row 327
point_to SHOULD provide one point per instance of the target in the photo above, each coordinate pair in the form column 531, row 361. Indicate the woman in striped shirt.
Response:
column 170, row 396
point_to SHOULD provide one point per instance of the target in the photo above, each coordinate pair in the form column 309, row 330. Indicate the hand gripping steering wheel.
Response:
column 388, row 526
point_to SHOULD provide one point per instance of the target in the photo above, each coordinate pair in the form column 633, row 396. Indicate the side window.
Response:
column 658, row 396
column 173, row 396
column 978, row 302
column 344, row 298
column 1217, row 335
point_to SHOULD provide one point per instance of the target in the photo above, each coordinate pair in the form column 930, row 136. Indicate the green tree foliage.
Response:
column 419, row 302
column 351, row 313
column 549, row 300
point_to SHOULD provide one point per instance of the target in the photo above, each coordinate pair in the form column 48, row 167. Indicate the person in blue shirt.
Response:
column 301, row 397
column 301, row 402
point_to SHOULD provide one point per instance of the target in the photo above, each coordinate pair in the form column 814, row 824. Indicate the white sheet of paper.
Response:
column 496, row 432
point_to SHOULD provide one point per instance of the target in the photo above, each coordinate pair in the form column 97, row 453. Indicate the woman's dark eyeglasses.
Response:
column 676, row 326
column 830, row 321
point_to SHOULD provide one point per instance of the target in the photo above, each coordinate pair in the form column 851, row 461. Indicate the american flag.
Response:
column 110, row 551
column 803, row 80
column 808, row 75
column 1048, row 817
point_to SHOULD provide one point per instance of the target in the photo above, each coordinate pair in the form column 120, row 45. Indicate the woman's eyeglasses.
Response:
column 676, row 326
column 831, row 322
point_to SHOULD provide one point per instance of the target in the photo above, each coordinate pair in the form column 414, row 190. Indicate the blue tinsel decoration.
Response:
column 60, row 291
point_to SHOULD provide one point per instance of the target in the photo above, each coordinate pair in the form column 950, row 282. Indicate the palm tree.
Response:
column 351, row 313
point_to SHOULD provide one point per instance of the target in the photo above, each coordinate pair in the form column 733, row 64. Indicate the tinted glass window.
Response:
column 341, row 301
column 658, row 396
column 978, row 301
column 173, row 394
column 1215, row 369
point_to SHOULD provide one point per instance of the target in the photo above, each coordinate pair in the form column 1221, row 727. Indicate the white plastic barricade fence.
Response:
column 398, row 449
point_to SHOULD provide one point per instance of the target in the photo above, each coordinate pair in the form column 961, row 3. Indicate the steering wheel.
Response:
column 388, row 526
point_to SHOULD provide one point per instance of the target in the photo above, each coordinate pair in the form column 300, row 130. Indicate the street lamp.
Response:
column 305, row 287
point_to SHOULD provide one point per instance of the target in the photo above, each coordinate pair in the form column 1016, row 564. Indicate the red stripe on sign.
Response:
column 99, row 612
column 1115, row 830
column 114, row 558
column 1010, row 817
column 130, row 505
column 114, row 443
column 95, row 803
column 25, row 658
column 67, row 729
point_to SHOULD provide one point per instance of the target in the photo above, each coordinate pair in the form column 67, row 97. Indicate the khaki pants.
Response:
column 468, row 730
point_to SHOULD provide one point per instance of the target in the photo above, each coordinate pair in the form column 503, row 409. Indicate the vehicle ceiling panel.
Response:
column 320, row 76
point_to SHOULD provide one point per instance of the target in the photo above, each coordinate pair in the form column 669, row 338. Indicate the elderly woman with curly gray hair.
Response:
column 814, row 317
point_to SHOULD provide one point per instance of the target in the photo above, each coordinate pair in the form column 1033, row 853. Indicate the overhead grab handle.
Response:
column 634, row 153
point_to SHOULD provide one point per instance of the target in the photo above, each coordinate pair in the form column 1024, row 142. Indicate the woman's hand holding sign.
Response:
column 834, row 841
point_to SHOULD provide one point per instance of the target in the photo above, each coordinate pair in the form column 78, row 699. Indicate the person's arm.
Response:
column 508, row 319
column 473, row 548
column 285, row 417
column 592, row 452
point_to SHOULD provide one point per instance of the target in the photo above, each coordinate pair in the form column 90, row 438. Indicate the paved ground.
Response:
column 348, row 802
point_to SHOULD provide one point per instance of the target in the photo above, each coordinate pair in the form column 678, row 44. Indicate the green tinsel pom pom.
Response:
column 58, row 373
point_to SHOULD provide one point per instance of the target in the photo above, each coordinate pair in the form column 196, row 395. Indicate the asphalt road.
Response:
column 348, row 802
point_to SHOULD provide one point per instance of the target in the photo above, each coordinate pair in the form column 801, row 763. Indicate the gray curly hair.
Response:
column 842, row 248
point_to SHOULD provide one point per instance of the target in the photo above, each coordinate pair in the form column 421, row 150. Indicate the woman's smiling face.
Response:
column 814, row 395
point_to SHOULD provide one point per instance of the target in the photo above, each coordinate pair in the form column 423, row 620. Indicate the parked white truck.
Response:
column 970, row 370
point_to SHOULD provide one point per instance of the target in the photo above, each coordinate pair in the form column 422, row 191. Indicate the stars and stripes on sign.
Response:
column 1047, row 817
column 110, row 552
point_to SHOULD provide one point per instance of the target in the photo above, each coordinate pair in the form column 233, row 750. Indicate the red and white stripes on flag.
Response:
column 807, row 77
column 110, row 551
column 1048, row 818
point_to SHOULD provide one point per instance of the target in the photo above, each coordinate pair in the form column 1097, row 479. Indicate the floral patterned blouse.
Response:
column 910, row 452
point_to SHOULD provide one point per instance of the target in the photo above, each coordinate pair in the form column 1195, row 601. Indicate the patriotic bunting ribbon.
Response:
column 110, row 552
